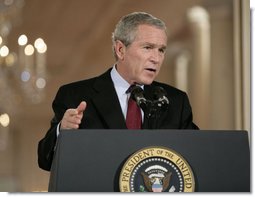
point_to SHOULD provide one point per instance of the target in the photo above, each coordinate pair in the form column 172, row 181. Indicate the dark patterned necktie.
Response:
column 134, row 116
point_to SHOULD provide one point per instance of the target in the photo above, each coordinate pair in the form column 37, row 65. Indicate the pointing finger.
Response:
column 81, row 107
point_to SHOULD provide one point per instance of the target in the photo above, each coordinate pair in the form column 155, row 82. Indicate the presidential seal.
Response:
column 156, row 169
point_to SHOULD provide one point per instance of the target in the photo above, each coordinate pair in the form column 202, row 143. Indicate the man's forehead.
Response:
column 150, row 33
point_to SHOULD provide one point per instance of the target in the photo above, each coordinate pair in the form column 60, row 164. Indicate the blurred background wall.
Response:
column 208, row 56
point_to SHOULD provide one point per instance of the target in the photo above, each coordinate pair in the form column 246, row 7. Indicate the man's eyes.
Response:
column 161, row 50
column 148, row 47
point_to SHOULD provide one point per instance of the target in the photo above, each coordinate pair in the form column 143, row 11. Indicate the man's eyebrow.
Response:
column 148, row 43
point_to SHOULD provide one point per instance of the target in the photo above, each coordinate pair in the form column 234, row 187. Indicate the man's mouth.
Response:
column 151, row 69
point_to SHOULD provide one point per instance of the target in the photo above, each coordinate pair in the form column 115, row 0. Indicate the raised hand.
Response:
column 72, row 117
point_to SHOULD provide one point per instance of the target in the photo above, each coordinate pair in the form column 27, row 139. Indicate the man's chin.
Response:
column 146, row 83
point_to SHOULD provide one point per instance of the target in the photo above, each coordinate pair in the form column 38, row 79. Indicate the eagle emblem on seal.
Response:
column 156, row 178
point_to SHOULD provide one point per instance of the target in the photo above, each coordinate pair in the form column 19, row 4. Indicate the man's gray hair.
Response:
column 125, row 30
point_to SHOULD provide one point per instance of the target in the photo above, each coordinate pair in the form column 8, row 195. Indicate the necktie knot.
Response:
column 129, row 90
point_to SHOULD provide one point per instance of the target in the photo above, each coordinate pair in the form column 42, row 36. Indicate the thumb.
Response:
column 81, row 107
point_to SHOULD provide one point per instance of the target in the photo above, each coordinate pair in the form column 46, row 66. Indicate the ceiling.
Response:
column 78, row 33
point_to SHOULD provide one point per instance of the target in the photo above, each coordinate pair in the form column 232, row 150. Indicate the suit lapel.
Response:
column 107, row 103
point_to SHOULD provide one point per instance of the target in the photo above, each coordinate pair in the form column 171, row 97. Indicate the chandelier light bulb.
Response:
column 4, row 119
column 22, row 40
column 29, row 50
column 4, row 51
column 40, row 83
column 40, row 45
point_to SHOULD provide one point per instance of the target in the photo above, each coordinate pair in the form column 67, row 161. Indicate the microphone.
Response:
column 137, row 94
column 160, row 97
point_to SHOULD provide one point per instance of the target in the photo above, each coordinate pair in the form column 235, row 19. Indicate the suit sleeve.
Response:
column 46, row 146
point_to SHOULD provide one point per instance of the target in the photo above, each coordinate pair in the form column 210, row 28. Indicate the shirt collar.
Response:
column 118, row 80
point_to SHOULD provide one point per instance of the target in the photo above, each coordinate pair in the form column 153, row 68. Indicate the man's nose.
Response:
column 155, row 56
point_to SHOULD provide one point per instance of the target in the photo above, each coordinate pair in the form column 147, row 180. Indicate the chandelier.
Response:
column 22, row 72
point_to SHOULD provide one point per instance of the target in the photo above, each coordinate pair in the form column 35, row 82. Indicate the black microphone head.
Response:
column 137, row 94
column 134, row 90
column 160, row 96
column 159, row 92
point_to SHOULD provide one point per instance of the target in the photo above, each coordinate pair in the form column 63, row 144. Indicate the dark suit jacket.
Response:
column 104, row 112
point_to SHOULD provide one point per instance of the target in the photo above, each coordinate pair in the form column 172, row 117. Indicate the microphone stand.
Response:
column 152, row 112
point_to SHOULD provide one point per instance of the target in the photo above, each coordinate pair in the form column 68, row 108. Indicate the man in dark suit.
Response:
column 139, row 44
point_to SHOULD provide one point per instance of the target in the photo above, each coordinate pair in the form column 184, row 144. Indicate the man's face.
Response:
column 142, row 59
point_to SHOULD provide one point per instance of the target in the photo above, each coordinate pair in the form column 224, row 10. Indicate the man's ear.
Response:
column 120, row 49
